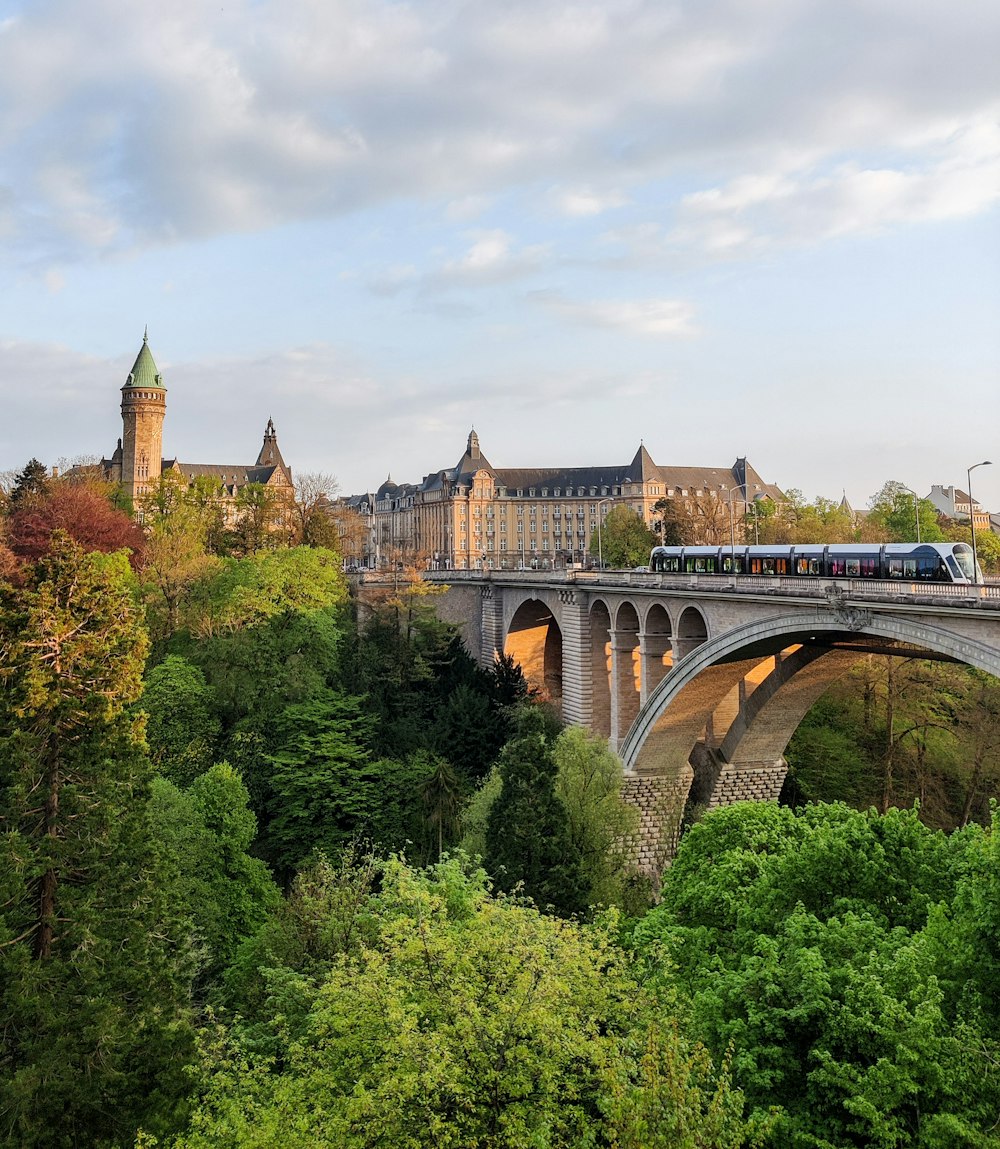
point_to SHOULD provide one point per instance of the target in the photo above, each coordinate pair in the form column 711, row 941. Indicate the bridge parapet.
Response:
column 985, row 596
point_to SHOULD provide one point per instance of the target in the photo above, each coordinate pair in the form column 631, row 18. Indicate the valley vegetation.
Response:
column 274, row 876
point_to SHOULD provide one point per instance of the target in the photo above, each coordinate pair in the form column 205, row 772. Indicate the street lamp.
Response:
column 600, row 546
column 916, row 506
column 732, row 526
column 972, row 516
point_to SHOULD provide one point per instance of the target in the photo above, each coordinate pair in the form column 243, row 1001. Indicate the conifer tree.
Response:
column 92, row 974
column 33, row 480
column 528, row 843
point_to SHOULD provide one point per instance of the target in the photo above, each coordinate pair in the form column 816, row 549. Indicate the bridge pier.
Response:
column 748, row 782
column 653, row 645
column 577, row 685
column 624, row 692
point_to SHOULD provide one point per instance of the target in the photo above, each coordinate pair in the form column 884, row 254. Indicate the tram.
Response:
column 909, row 562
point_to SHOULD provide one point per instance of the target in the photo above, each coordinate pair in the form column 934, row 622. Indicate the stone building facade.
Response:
column 475, row 515
column 137, row 462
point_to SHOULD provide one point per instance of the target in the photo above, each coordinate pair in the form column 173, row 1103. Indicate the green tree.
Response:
column 442, row 794
column 673, row 527
column 323, row 789
column 94, row 972
column 602, row 825
column 182, row 727
column 29, row 483
column 206, row 832
column 893, row 515
column 180, row 521
column 624, row 540
column 467, row 1019
column 261, row 515
column 804, row 938
column 528, row 840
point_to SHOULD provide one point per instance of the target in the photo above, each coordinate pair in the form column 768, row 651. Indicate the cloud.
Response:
column 124, row 127
column 659, row 318
column 586, row 202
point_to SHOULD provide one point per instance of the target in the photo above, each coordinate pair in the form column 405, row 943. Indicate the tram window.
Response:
column 781, row 566
column 802, row 566
column 838, row 568
column 853, row 568
column 869, row 568
column 768, row 566
column 895, row 568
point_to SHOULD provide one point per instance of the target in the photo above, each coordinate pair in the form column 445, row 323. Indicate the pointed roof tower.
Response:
column 144, row 374
column 642, row 466
column 473, row 460
column 270, row 453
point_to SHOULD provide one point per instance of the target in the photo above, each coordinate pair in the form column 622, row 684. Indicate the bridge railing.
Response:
column 881, row 589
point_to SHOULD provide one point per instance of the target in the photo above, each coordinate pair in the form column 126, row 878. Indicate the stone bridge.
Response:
column 699, row 681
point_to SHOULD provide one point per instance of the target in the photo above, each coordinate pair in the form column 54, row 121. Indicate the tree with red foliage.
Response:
column 84, row 514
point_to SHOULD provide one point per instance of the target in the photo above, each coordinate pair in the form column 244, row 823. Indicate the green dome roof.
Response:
column 144, row 373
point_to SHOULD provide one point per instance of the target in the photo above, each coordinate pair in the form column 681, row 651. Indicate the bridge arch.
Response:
column 692, row 630
column 680, row 709
column 534, row 639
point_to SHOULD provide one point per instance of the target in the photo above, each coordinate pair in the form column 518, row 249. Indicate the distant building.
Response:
column 956, row 504
column 137, row 462
column 475, row 515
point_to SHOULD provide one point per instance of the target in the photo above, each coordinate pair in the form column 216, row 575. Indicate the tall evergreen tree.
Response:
column 33, row 480
column 528, row 841
column 93, row 982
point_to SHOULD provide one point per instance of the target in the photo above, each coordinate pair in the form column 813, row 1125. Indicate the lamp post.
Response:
column 600, row 545
column 916, row 507
column 972, row 516
column 732, row 525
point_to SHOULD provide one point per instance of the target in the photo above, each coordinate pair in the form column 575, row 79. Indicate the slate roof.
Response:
column 642, row 469
column 230, row 473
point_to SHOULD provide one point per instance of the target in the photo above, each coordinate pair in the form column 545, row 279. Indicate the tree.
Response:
column 94, row 970
column 812, row 940
column 260, row 518
column 314, row 492
column 182, row 727
column 894, row 513
column 324, row 791
column 460, row 1018
column 441, row 794
column 350, row 531
column 206, row 832
column 179, row 521
column 29, row 483
column 528, row 842
column 624, row 540
column 82, row 513
column 589, row 780
column 673, row 526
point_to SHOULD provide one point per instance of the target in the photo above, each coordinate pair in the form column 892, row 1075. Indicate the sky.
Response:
column 761, row 228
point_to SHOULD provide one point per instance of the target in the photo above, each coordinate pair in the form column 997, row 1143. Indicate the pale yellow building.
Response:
column 475, row 515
